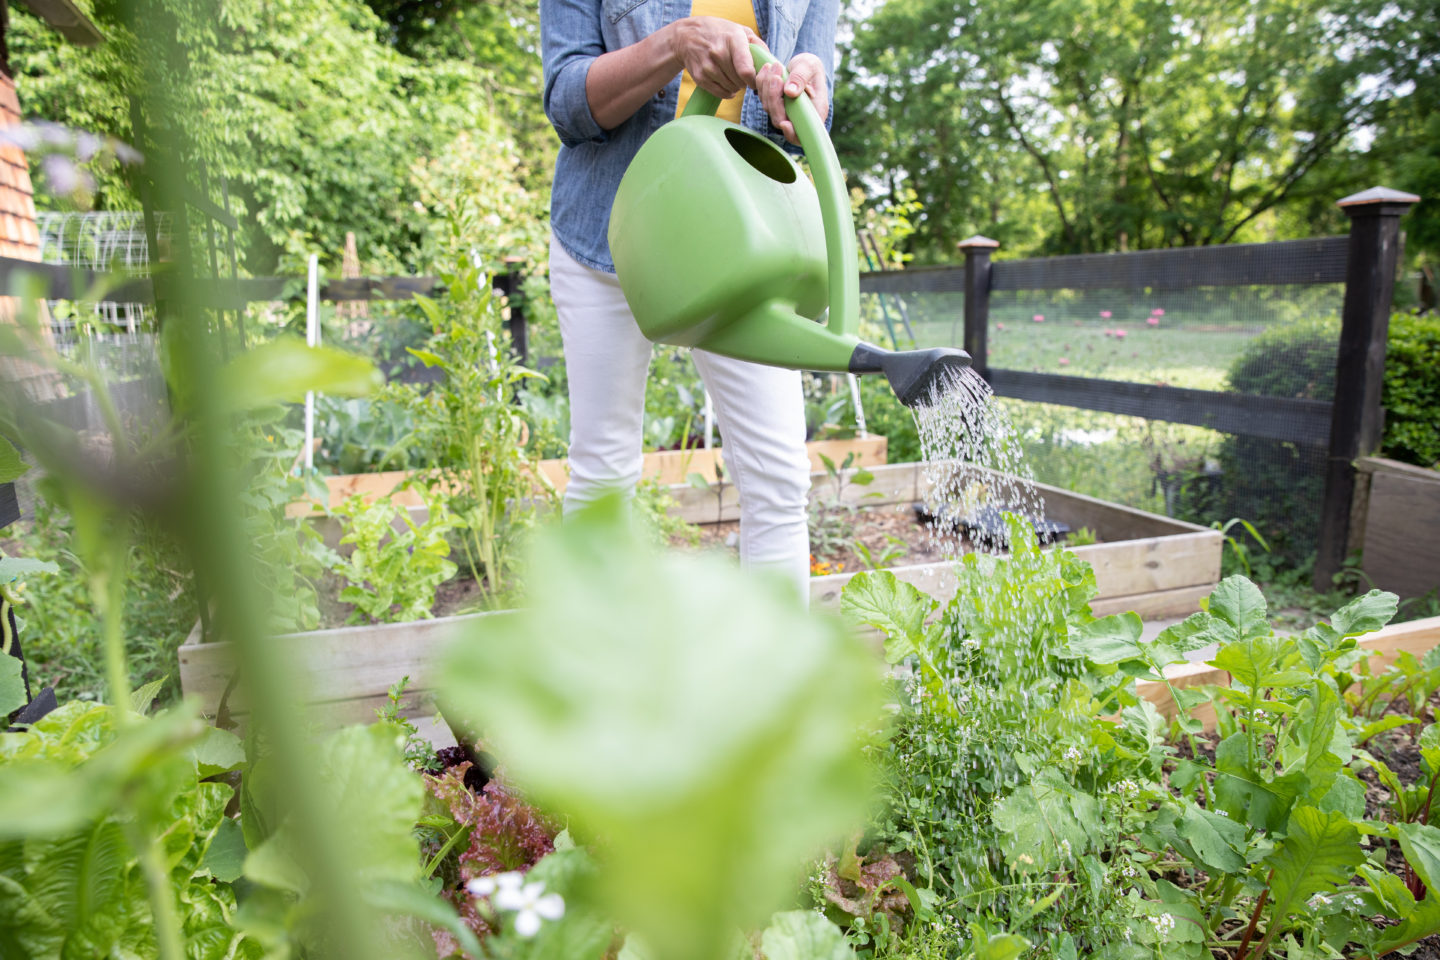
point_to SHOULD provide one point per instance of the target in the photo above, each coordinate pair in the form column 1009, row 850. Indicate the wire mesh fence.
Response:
column 1251, row 339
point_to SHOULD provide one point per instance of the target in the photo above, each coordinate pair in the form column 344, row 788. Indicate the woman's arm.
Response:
column 714, row 50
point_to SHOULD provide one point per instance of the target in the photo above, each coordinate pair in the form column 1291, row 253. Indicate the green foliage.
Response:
column 76, row 886
column 1076, row 800
column 64, row 642
column 1139, row 127
column 1275, row 485
column 393, row 571
column 1412, row 390
column 761, row 705
column 468, row 433
column 313, row 119
column 829, row 515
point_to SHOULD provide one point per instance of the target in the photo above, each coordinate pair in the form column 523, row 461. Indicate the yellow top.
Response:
column 736, row 11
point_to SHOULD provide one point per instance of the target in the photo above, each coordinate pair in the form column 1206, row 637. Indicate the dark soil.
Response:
column 892, row 527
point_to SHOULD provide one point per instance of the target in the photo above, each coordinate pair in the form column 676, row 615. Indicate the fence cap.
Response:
column 1378, row 195
column 979, row 241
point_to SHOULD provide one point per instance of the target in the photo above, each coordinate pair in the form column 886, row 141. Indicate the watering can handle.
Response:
column 834, row 200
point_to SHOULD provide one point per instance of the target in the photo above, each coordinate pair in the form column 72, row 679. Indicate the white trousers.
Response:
column 760, row 410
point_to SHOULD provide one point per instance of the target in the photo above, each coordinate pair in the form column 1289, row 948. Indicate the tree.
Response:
column 1071, row 126
column 304, row 106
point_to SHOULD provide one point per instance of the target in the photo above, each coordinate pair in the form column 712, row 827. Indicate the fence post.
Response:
column 1356, row 418
column 977, row 250
column 508, row 284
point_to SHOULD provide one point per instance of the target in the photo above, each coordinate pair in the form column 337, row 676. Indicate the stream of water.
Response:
column 973, row 464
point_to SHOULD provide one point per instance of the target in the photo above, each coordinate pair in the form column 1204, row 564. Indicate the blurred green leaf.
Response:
column 226, row 856
column 13, row 568
column 12, row 685
column 804, row 935
column 284, row 369
column 692, row 714
column 11, row 466
column 217, row 751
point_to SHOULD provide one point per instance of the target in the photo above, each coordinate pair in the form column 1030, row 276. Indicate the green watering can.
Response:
column 721, row 243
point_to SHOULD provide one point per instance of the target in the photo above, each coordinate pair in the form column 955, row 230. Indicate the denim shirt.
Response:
column 592, row 161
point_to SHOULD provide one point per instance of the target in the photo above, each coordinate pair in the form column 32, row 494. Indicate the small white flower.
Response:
column 530, row 904
column 1072, row 755
column 1223, row 813
column 1163, row 923
column 1317, row 901
column 488, row 885
column 1127, row 788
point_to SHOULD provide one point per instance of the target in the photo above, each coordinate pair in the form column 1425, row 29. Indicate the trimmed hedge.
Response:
column 1412, row 391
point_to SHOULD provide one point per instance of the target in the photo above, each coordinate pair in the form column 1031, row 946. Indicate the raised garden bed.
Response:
column 1150, row 564
column 669, row 467
column 1396, row 526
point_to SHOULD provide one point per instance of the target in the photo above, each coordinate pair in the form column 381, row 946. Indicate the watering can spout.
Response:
column 913, row 374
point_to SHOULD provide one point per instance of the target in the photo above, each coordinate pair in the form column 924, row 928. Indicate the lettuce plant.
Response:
column 71, row 881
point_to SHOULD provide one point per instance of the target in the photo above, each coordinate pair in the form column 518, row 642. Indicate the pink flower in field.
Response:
column 1157, row 312
column 1064, row 361
column 1106, row 332
column 1105, row 314
column 1153, row 321
column 1120, row 334
column 1038, row 318
column 999, row 326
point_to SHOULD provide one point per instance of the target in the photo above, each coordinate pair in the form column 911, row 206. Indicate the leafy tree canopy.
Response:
column 1070, row 126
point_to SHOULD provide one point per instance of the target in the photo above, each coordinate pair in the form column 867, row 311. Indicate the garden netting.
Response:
column 1263, row 340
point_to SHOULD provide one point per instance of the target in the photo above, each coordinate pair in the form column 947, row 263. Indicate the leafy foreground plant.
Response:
column 1031, row 790
column 71, row 882
column 706, row 756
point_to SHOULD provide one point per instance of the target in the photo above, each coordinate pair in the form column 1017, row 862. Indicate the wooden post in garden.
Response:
column 1356, row 418
column 977, row 250
column 508, row 284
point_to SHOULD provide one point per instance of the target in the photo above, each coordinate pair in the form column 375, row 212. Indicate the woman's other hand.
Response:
column 716, row 52
column 807, row 74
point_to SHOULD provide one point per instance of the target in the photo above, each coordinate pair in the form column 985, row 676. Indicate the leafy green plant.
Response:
column 1237, row 551
column 393, row 570
column 716, row 488
column 1112, row 836
column 831, row 518
column 895, row 548
column 74, row 870
column 654, row 506
column 468, row 431
column 1411, row 392
column 419, row 753
column 701, row 818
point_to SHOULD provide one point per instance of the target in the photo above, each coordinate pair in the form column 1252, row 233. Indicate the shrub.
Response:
column 1412, row 390
column 1278, row 486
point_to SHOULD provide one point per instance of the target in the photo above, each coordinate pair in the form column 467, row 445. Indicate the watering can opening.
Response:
column 761, row 154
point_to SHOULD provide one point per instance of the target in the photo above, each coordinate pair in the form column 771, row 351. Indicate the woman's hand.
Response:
column 806, row 74
column 716, row 52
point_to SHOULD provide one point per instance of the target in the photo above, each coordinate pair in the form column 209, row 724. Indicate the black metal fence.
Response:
column 1113, row 333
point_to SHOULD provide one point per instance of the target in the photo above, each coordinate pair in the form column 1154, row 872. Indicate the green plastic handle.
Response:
column 834, row 199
